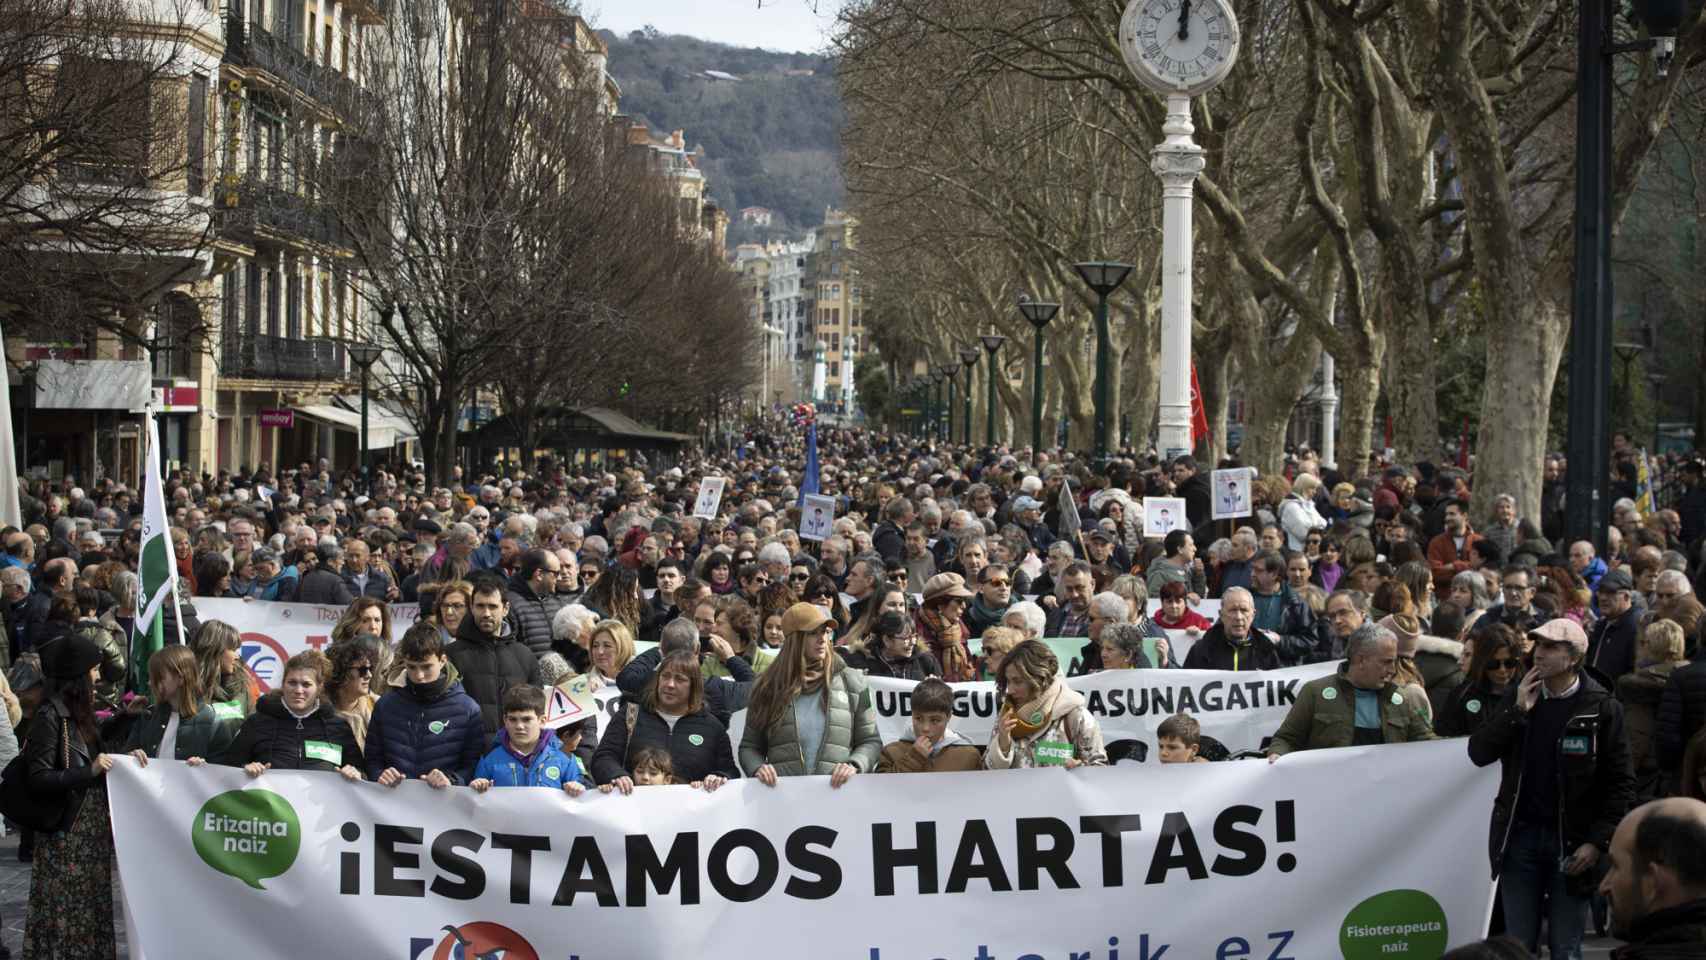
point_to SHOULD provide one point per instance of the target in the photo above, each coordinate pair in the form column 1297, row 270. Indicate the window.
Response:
column 834, row 369
column 855, row 317
column 101, row 110
column 835, row 246
column 835, row 341
column 293, row 304
column 835, row 269
column 197, row 172
column 176, row 321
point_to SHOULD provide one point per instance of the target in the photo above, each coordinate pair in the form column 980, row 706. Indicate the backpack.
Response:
column 43, row 813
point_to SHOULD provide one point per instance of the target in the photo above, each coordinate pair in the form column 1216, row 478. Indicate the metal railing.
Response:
column 248, row 45
column 262, row 357
column 278, row 210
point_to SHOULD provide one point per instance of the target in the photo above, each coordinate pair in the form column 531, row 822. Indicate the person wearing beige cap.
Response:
column 1559, row 738
column 940, row 623
column 809, row 714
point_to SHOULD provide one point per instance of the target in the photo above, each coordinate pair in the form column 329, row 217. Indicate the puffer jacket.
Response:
column 113, row 659
column 1594, row 791
column 207, row 734
column 1682, row 713
column 697, row 746
column 418, row 729
column 1215, row 652
column 1069, row 722
column 320, row 741
column 532, row 616
column 850, row 736
column 546, row 766
column 490, row 665
column 1640, row 692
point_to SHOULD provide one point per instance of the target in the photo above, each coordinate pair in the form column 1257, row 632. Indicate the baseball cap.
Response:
column 1026, row 503
column 803, row 618
column 1615, row 580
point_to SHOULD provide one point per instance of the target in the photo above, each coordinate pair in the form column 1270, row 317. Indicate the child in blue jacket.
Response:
column 526, row 754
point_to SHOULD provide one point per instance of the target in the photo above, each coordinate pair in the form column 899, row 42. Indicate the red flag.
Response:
column 1199, row 414
column 1463, row 446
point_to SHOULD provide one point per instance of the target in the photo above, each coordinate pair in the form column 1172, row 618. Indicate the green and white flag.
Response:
column 156, row 567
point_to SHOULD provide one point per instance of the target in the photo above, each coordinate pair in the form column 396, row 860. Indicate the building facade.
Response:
column 838, row 329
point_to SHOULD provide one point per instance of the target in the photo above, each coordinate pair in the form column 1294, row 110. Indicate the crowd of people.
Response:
column 1571, row 668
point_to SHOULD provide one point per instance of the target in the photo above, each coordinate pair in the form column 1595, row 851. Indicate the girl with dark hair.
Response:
column 616, row 596
column 1494, row 667
column 71, row 893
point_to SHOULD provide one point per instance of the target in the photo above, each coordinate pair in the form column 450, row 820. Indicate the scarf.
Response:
column 949, row 638
column 1032, row 717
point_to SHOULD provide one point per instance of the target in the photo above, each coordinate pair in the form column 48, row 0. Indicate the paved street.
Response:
column 15, row 893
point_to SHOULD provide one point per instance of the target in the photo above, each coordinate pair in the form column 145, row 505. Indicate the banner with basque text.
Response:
column 274, row 632
column 1295, row 860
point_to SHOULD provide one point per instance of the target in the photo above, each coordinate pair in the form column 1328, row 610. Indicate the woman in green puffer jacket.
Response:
column 809, row 713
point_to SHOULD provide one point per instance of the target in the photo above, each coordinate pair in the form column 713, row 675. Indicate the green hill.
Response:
column 771, row 136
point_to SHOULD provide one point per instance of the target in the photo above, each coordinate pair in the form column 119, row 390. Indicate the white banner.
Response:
column 1241, row 710
column 275, row 632
column 1174, row 863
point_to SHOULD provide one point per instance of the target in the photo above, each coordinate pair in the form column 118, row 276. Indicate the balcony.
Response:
column 248, row 45
column 260, row 357
column 263, row 209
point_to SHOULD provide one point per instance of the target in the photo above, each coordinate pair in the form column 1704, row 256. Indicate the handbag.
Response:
column 27, row 808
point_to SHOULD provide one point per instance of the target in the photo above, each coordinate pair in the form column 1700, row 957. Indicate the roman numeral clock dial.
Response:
column 1179, row 47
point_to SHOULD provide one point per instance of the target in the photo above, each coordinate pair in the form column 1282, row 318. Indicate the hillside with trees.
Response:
column 771, row 134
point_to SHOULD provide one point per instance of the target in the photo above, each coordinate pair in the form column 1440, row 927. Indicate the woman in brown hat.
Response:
column 940, row 625
column 809, row 714
column 71, row 896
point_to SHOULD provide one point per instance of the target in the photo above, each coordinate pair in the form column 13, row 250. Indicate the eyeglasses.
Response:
column 995, row 582
column 1666, row 596
column 365, row 671
column 1516, row 587
column 799, row 577
column 1503, row 663
column 814, row 597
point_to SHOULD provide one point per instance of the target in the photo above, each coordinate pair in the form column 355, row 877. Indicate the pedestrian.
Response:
column 1612, row 643
column 669, row 716
column 1566, row 781
column 940, row 625
column 1493, row 669
column 224, row 676
column 1357, row 706
column 70, row 913
column 350, row 684
column 486, row 654
column 1041, row 722
column 525, row 754
column 809, row 714
column 427, row 728
column 1656, row 884
column 180, row 723
column 295, row 727
column 931, row 746
column 1662, row 643
column 1234, row 643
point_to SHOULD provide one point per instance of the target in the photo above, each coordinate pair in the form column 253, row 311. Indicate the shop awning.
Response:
column 379, row 437
column 381, row 415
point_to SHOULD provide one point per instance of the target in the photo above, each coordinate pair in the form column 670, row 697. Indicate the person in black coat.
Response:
column 670, row 715
column 427, row 728
column 533, row 600
column 1234, row 643
column 296, row 728
column 723, row 696
column 486, row 654
column 1682, row 714
column 1617, row 635
column 325, row 584
column 892, row 650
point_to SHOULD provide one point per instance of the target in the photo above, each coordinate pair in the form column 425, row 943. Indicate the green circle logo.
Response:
column 1473, row 706
column 248, row 834
column 1331, row 693
column 696, row 739
column 553, row 772
column 437, row 727
column 1395, row 923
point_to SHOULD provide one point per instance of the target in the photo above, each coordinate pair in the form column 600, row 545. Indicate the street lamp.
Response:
column 364, row 355
column 1586, row 500
column 968, row 357
column 1039, row 313
column 945, row 374
column 1104, row 278
column 991, row 342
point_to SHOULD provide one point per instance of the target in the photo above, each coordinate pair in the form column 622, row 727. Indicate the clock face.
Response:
column 1179, row 46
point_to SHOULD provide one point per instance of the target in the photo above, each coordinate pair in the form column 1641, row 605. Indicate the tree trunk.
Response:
column 1412, row 390
column 1516, row 403
column 1360, row 372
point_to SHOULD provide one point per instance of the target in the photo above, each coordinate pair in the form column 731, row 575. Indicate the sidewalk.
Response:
column 15, row 894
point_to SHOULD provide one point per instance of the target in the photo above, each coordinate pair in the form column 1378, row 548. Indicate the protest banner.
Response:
column 1241, row 710
column 1293, row 860
column 274, row 632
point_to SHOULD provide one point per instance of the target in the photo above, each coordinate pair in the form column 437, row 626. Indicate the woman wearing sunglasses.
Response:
column 351, row 687
column 1495, row 667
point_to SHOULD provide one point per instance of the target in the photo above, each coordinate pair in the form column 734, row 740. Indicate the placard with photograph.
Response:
column 1231, row 493
column 710, row 497
column 817, row 517
column 1163, row 515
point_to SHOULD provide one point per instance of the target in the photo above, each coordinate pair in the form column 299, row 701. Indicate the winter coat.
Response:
column 1465, row 709
column 1612, row 644
column 113, row 646
column 546, row 766
column 320, row 741
column 1640, row 693
column 490, row 665
column 1437, row 660
column 417, row 729
column 698, row 746
column 1446, row 561
column 378, row 584
column 324, row 587
column 918, row 666
column 1299, row 636
column 43, row 756
column 1069, row 722
column 723, row 696
column 1297, row 518
column 1674, row 933
column 849, row 736
column 1594, row 790
column 532, row 615
column 1682, row 713
column 281, row 588
column 1324, row 716
column 1213, row 651
column 954, row 754
column 207, row 734
column 1197, row 496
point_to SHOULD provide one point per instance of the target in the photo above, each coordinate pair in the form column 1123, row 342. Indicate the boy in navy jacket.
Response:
column 428, row 728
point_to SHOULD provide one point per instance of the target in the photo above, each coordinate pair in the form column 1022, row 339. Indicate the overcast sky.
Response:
column 789, row 25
